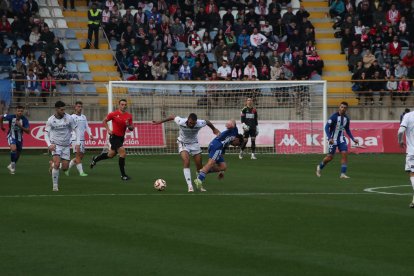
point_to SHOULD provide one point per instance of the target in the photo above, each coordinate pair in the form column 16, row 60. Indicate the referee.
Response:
column 121, row 121
column 249, row 125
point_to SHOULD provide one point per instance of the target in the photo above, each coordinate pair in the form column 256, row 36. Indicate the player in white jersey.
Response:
column 79, row 150
column 407, row 127
column 58, row 136
column 188, row 142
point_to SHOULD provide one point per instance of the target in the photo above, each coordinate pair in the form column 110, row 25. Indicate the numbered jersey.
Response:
column 60, row 130
column 188, row 135
column 82, row 125
column 15, row 132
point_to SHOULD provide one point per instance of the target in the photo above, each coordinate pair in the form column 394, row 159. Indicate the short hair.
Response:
column 19, row 107
column 344, row 103
column 78, row 102
column 122, row 100
column 193, row 116
column 59, row 104
column 407, row 110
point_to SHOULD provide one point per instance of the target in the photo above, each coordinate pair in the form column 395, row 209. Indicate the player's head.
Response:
column 191, row 120
column 238, row 140
column 19, row 110
column 343, row 108
column 249, row 102
column 231, row 123
column 407, row 110
column 60, row 108
column 78, row 107
column 122, row 105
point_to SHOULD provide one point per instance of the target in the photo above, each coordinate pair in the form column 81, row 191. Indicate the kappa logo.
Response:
column 289, row 140
column 39, row 133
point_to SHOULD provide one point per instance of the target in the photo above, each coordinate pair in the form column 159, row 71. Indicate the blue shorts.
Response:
column 341, row 147
column 215, row 153
column 12, row 141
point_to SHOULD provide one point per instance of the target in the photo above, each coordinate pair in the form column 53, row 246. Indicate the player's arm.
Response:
column 88, row 130
column 75, row 129
column 401, row 132
column 24, row 125
column 129, row 124
column 348, row 131
column 328, row 131
column 49, row 144
column 105, row 123
column 213, row 128
column 169, row 118
column 256, row 121
column 243, row 120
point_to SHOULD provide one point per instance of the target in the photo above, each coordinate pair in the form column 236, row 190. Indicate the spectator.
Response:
column 48, row 87
column 301, row 71
column 257, row 41
column 237, row 73
column 288, row 70
column 168, row 42
column 198, row 71
column 275, row 71
column 194, row 43
column 206, row 43
column 315, row 62
column 60, row 73
column 5, row 28
column 55, row 45
column 210, row 72
column 368, row 59
column 184, row 72
column 353, row 59
column 392, row 87
column 243, row 40
column 264, row 72
column 175, row 62
column 394, row 48
column 189, row 58
column 337, row 9
column 403, row 89
column 224, row 57
column 95, row 18
column 393, row 15
column 250, row 70
column 45, row 61
column 34, row 39
column 377, row 85
column 59, row 58
column 158, row 71
column 32, row 84
column 400, row 70
column 203, row 59
column 144, row 71
column 408, row 59
column 238, row 59
column 224, row 71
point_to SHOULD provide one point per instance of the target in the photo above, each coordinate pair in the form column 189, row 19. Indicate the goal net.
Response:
column 290, row 113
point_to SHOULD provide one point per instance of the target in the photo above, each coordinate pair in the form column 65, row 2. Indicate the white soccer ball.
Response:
column 160, row 184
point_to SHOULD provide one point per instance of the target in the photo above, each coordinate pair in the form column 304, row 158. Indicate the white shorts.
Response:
column 192, row 149
column 62, row 151
column 409, row 163
column 82, row 146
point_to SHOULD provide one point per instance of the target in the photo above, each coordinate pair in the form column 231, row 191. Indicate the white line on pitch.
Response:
column 181, row 194
column 374, row 190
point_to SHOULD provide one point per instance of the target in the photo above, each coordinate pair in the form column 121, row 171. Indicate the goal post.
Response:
column 290, row 113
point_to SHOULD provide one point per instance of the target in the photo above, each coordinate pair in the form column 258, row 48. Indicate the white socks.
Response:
column 79, row 167
column 55, row 176
column 13, row 165
column 412, row 184
column 71, row 163
column 187, row 176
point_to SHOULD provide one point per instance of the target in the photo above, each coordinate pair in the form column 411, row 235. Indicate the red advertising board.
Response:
column 291, row 141
column 144, row 135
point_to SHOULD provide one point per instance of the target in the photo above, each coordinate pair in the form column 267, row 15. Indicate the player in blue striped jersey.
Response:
column 18, row 124
column 216, row 149
column 335, row 130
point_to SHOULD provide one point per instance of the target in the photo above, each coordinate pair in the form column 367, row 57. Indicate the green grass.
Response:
column 270, row 216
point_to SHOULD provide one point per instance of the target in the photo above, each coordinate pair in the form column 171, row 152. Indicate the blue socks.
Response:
column 321, row 165
column 201, row 175
column 343, row 168
column 13, row 156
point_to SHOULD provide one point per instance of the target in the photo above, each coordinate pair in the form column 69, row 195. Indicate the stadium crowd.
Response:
column 377, row 37
column 250, row 41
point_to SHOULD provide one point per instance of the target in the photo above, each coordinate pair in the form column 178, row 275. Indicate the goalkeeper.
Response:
column 250, row 128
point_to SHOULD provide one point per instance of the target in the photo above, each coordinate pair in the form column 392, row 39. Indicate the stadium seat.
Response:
column 122, row 12
column 8, row 42
column 222, row 13
column 70, row 34
column 78, row 89
column 113, row 44
column 171, row 77
column 83, row 67
column 173, row 89
column 266, row 91
column 77, row 56
column 90, row 89
column 74, row 45
column 42, row 3
column 160, row 89
column 61, row 23
column 50, row 23
column 186, row 90
column 169, row 55
column 213, row 34
column 211, row 57
column 37, row 54
column 67, row 56
column 200, row 90
column 71, row 67
column 53, row 3
column 86, row 76
column 58, row 33
column 65, row 46
column 44, row 12
column 134, row 11
column 20, row 42
column 57, row 12
column 62, row 88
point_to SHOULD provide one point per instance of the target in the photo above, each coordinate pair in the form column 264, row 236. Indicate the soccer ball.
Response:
column 160, row 184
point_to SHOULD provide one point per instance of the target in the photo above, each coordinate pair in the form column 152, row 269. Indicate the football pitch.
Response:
column 270, row 216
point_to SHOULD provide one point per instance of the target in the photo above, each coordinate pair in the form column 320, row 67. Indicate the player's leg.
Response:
column 55, row 165
column 203, row 173
column 73, row 160
column 80, row 151
column 409, row 167
column 343, row 148
column 13, row 158
column 253, row 141
column 185, row 157
column 328, row 158
column 115, row 144
column 220, row 168
column 121, row 163
column 243, row 146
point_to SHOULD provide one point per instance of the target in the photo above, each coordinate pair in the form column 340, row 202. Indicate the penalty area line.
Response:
column 375, row 190
column 183, row 194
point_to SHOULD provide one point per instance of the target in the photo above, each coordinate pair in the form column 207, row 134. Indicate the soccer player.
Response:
column 216, row 149
column 407, row 127
column 250, row 128
column 79, row 150
column 334, row 129
column 121, row 121
column 188, row 142
column 59, row 128
column 18, row 124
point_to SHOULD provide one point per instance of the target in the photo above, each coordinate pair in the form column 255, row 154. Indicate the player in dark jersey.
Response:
column 250, row 129
column 121, row 121
column 18, row 124
column 216, row 149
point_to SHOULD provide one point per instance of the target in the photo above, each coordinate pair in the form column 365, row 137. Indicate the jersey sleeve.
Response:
column 110, row 116
column 48, row 128
column 201, row 123
column 256, row 117
column 178, row 120
column 404, row 122
column 243, row 115
column 7, row 117
column 26, row 123
column 130, row 120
